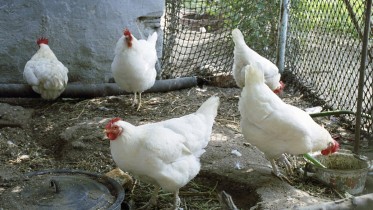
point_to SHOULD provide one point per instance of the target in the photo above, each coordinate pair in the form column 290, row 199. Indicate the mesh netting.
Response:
column 324, row 48
column 323, row 51
column 197, row 36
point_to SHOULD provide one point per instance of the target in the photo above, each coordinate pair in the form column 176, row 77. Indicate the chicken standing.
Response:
column 45, row 73
column 167, row 153
column 275, row 127
column 133, row 66
column 244, row 55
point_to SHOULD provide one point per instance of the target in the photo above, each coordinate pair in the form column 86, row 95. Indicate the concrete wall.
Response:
column 81, row 33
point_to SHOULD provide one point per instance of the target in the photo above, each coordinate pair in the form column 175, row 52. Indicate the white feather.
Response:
column 46, row 74
column 166, row 153
column 244, row 55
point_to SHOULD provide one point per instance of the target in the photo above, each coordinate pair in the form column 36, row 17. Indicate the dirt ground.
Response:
column 39, row 135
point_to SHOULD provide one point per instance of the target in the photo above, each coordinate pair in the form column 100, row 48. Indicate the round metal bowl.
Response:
column 65, row 189
column 344, row 171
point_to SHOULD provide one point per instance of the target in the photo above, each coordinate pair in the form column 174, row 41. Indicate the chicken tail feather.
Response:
column 153, row 38
column 238, row 37
column 210, row 107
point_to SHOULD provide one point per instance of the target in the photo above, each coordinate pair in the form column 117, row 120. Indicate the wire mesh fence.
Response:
column 324, row 49
column 197, row 36
column 323, row 54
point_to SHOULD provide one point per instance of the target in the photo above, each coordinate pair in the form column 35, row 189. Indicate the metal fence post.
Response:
column 282, row 35
column 364, row 52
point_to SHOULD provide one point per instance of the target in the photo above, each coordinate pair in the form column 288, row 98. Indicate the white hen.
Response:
column 275, row 127
column 45, row 73
column 167, row 153
column 244, row 55
column 133, row 66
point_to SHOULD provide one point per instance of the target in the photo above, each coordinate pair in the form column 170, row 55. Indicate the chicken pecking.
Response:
column 244, row 55
column 165, row 154
column 275, row 127
column 45, row 73
column 133, row 66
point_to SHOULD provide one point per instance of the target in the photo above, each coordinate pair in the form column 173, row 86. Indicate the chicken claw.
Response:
column 288, row 166
column 137, row 102
column 277, row 173
column 176, row 201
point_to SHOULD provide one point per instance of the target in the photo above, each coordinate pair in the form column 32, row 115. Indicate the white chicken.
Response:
column 133, row 66
column 45, row 73
column 165, row 154
column 275, row 127
column 244, row 55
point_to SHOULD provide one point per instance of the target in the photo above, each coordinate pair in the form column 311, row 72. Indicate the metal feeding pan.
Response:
column 65, row 189
column 344, row 171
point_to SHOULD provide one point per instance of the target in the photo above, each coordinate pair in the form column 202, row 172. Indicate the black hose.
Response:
column 80, row 90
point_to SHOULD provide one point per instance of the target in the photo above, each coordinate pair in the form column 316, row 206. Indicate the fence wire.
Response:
column 324, row 48
column 197, row 35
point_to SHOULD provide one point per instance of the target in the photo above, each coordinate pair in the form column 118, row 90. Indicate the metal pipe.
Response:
column 282, row 38
column 79, row 90
column 364, row 52
column 339, row 112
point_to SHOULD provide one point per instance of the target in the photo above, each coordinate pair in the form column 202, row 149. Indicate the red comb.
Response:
column 280, row 89
column 126, row 32
column 116, row 119
column 42, row 40
column 332, row 149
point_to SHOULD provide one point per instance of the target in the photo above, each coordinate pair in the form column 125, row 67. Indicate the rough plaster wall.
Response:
column 82, row 33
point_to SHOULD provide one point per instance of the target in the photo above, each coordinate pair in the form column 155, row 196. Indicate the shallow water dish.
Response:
column 64, row 189
column 344, row 171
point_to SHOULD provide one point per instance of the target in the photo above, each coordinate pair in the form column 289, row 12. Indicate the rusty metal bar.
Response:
column 363, row 64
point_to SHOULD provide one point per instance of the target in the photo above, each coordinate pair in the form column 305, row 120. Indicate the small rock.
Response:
column 102, row 108
column 24, row 157
column 122, row 178
column 237, row 165
column 78, row 144
column 236, row 152
column 11, row 144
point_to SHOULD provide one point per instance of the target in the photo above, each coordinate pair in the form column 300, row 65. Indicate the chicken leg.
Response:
column 277, row 173
column 176, row 201
column 288, row 166
column 137, row 102
column 138, row 107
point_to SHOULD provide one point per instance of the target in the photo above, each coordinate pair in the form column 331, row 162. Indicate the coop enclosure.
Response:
column 327, row 42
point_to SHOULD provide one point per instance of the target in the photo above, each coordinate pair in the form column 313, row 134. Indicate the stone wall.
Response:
column 81, row 33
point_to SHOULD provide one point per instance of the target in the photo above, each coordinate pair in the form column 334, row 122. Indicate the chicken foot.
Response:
column 177, row 201
column 288, row 167
column 137, row 102
column 153, row 199
column 277, row 173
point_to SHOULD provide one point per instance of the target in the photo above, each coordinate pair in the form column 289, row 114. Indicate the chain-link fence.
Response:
column 323, row 49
